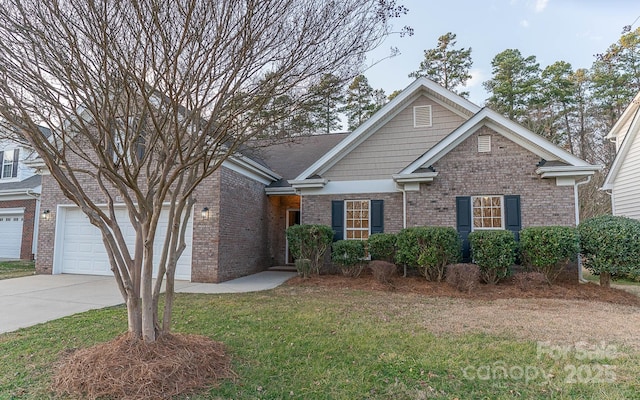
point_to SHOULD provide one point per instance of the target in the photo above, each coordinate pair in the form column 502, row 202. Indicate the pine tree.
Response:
column 446, row 65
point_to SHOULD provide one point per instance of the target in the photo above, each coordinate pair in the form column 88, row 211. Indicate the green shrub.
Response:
column 349, row 255
column 310, row 242
column 548, row 249
column 382, row 246
column 494, row 252
column 610, row 246
column 429, row 249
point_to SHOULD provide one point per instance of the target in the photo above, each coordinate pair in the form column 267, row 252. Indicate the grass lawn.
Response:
column 15, row 269
column 301, row 343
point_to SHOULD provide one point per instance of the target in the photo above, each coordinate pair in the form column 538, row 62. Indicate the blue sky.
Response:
column 552, row 30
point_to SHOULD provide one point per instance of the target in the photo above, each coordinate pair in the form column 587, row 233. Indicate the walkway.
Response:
column 35, row 299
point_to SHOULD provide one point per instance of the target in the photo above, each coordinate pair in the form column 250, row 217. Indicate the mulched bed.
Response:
column 566, row 290
column 126, row 368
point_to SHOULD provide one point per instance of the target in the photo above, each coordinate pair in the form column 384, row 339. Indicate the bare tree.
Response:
column 147, row 98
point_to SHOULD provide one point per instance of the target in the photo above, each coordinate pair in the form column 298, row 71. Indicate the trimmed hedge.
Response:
column 494, row 252
column 548, row 249
column 349, row 255
column 310, row 242
column 382, row 246
column 429, row 249
column 610, row 246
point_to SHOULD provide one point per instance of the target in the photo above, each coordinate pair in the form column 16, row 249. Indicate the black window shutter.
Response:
column 463, row 222
column 16, row 154
column 512, row 220
column 377, row 216
column 337, row 219
column 2, row 164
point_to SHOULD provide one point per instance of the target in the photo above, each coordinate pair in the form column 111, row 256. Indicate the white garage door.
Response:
column 81, row 250
column 11, row 234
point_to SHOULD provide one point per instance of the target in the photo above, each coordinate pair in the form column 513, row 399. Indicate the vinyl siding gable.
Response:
column 396, row 144
column 626, row 188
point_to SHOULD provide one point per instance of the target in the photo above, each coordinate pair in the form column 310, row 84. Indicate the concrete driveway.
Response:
column 35, row 299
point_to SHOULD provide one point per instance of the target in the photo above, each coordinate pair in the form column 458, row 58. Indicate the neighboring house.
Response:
column 428, row 157
column 19, row 201
column 623, row 180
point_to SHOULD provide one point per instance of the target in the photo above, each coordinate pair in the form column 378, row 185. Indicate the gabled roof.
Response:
column 420, row 86
column 513, row 131
column 27, row 184
column 629, row 135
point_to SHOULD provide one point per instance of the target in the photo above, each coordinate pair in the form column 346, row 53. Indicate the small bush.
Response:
column 430, row 249
column 610, row 246
column 303, row 265
column 494, row 252
column 382, row 246
column 348, row 255
column 310, row 242
column 463, row 277
column 530, row 280
column 549, row 249
column 382, row 271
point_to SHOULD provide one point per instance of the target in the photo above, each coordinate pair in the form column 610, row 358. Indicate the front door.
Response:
column 293, row 218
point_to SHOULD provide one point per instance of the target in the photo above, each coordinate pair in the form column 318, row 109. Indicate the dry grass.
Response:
column 561, row 314
column 126, row 368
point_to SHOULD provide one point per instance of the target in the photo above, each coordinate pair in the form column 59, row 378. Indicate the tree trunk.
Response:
column 134, row 315
column 148, row 314
column 605, row 279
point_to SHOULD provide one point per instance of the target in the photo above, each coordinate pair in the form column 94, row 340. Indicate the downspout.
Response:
column 404, row 217
column 577, row 210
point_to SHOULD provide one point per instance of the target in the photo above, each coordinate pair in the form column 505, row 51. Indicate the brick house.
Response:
column 19, row 200
column 428, row 157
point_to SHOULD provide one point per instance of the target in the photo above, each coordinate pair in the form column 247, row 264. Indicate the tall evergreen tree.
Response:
column 360, row 102
column 326, row 100
column 515, row 84
column 446, row 65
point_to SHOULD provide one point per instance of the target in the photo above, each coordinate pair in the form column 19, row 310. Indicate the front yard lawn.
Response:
column 299, row 342
column 16, row 269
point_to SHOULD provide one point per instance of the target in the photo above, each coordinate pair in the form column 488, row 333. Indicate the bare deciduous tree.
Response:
column 147, row 98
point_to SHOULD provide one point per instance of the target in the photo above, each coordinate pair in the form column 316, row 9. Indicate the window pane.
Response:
column 497, row 222
column 365, row 223
column 477, row 202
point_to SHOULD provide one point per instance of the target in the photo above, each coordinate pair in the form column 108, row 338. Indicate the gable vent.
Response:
column 484, row 144
column 422, row 117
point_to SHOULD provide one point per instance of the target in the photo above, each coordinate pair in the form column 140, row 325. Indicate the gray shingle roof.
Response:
column 289, row 159
column 29, row 183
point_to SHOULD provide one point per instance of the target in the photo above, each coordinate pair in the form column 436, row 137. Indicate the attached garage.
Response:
column 11, row 221
column 79, row 248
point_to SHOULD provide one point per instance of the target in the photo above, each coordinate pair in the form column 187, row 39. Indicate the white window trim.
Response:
column 415, row 121
column 344, row 222
column 4, row 160
column 502, row 222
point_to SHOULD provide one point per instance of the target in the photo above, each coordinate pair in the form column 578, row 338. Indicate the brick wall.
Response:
column 206, row 238
column 507, row 170
column 26, row 248
column 244, row 226
column 50, row 197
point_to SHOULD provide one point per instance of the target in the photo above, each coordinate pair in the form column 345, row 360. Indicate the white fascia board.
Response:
column 412, row 178
column 308, row 183
column 250, row 169
column 354, row 187
column 280, row 191
column 567, row 171
column 386, row 113
column 626, row 114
